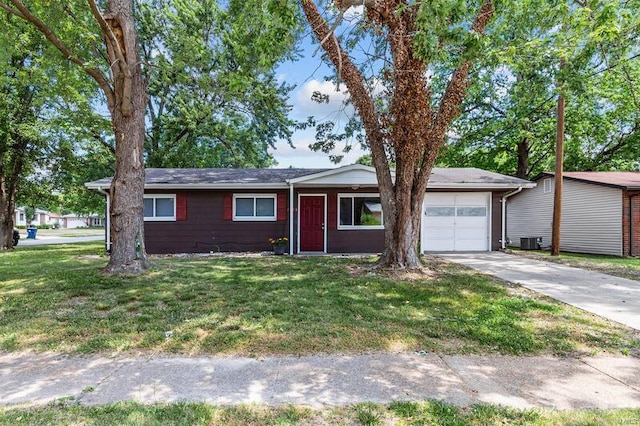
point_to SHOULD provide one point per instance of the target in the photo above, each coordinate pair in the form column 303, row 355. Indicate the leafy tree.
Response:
column 214, row 100
column 409, row 122
column 103, row 43
column 509, row 120
column 33, row 86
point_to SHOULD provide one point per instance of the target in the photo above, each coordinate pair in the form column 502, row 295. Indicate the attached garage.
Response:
column 456, row 221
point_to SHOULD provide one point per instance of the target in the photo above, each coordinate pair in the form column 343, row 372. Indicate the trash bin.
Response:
column 31, row 233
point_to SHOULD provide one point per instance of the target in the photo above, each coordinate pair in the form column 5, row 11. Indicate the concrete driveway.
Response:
column 611, row 297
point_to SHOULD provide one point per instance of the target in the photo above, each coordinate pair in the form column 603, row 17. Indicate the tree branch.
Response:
column 11, row 11
column 94, row 72
column 119, row 56
column 455, row 91
column 359, row 95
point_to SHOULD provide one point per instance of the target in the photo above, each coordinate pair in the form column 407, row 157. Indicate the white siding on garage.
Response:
column 591, row 217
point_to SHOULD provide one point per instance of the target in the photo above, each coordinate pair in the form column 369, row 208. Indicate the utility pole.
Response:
column 557, row 196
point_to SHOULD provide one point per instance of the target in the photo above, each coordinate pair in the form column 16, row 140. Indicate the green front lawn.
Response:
column 396, row 413
column 54, row 298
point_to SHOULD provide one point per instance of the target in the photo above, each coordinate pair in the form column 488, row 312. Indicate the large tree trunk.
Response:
column 126, row 99
column 9, row 175
column 523, row 159
column 7, row 207
column 127, row 116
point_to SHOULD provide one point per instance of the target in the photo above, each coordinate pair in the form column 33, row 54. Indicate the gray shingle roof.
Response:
column 169, row 177
column 216, row 176
column 627, row 180
column 222, row 176
column 472, row 175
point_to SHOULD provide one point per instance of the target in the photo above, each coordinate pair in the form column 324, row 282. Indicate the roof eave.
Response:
column 235, row 185
column 621, row 186
column 184, row 186
column 480, row 185
column 331, row 172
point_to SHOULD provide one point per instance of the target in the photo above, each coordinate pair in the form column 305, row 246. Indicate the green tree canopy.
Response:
column 508, row 124
column 214, row 99
column 36, row 89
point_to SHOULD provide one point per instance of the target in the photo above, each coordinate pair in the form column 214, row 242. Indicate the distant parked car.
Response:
column 16, row 237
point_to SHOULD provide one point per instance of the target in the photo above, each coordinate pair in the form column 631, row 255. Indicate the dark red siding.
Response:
column 283, row 211
column 181, row 207
column 630, row 223
column 227, row 207
column 205, row 229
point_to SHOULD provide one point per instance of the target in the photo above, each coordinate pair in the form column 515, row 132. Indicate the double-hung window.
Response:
column 360, row 211
column 254, row 207
column 159, row 207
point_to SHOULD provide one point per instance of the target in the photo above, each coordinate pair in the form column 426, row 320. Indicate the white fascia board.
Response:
column 89, row 185
column 460, row 186
column 336, row 185
column 332, row 172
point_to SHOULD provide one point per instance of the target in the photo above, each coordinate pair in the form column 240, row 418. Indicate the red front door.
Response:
column 311, row 223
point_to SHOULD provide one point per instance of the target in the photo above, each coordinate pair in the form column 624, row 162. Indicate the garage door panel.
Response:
column 471, row 222
column 435, row 244
column 441, row 233
column 470, row 198
column 456, row 222
column 440, row 221
column 471, row 245
column 464, row 234
column 440, row 199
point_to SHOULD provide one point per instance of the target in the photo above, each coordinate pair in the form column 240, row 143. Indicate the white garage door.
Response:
column 456, row 221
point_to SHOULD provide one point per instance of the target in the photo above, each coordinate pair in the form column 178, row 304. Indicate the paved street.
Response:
column 43, row 240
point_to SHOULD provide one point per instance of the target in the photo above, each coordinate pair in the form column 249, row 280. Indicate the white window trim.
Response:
column 358, row 195
column 256, row 218
column 548, row 188
column 163, row 218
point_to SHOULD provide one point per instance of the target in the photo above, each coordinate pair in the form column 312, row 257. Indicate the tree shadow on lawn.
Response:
column 272, row 305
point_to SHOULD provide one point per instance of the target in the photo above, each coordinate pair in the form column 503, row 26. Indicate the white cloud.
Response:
column 305, row 106
column 355, row 12
column 303, row 157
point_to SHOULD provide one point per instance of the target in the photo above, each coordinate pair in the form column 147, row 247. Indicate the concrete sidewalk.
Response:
column 617, row 299
column 318, row 381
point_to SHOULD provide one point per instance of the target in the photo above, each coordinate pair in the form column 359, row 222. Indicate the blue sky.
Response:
column 308, row 75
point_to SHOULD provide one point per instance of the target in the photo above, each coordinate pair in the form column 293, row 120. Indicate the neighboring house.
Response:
column 334, row 210
column 96, row 221
column 20, row 218
column 74, row 220
column 600, row 212
column 42, row 217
